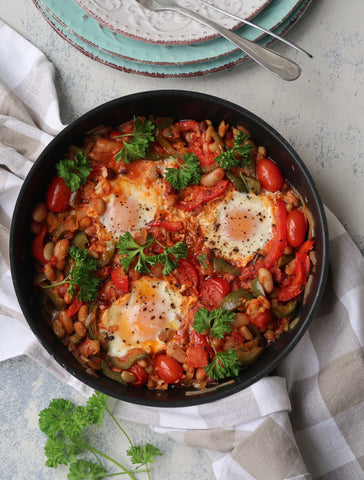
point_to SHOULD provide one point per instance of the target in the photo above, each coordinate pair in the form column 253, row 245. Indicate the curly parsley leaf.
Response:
column 84, row 469
column 128, row 247
column 225, row 364
column 242, row 147
column 136, row 144
column 143, row 455
column 218, row 322
column 64, row 423
column 82, row 283
column 74, row 172
column 187, row 173
column 179, row 250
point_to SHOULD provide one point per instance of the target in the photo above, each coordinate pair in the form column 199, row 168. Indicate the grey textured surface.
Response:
column 320, row 114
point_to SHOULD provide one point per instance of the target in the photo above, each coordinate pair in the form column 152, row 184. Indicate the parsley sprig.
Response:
column 64, row 424
column 81, row 279
column 128, row 247
column 187, row 173
column 136, row 144
column 229, row 159
column 218, row 322
column 74, row 172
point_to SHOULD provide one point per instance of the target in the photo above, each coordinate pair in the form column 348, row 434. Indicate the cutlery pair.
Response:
column 272, row 61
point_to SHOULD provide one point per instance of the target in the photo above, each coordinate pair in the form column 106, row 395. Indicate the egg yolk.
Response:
column 239, row 225
column 145, row 318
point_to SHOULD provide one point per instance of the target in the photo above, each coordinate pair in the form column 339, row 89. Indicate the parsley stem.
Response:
column 97, row 452
column 118, row 424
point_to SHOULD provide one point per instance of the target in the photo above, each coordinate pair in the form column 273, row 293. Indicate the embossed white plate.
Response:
column 128, row 18
column 171, row 70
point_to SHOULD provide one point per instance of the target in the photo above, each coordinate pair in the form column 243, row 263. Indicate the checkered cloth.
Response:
column 306, row 423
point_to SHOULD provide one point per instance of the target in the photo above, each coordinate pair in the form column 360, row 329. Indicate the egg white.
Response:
column 238, row 226
column 154, row 305
column 129, row 207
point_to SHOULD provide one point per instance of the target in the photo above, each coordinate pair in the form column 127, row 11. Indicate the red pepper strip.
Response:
column 74, row 307
column 298, row 278
column 170, row 226
column 203, row 195
column 38, row 245
column 306, row 246
column 274, row 248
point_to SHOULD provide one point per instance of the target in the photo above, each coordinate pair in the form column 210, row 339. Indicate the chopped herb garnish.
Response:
column 242, row 147
column 128, row 247
column 187, row 173
column 136, row 144
column 74, row 172
column 218, row 323
column 80, row 279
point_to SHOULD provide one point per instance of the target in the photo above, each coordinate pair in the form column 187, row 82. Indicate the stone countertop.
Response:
column 320, row 115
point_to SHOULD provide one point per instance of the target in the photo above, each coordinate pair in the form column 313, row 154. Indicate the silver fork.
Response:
column 272, row 61
column 254, row 25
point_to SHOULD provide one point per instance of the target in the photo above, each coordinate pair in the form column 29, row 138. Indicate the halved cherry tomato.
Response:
column 197, row 356
column 38, row 245
column 269, row 175
column 58, row 195
column 201, row 195
column 262, row 320
column 169, row 370
column 74, row 307
column 140, row 374
column 120, row 279
column 214, row 290
column 296, row 228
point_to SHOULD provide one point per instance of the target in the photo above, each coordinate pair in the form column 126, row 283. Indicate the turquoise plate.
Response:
column 73, row 18
column 180, row 69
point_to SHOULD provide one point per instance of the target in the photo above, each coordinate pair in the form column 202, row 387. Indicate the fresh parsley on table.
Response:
column 64, row 425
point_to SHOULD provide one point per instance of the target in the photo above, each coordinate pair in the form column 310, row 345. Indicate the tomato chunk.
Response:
column 120, row 279
column 140, row 374
column 214, row 290
column 197, row 356
column 169, row 370
column 38, row 245
column 262, row 320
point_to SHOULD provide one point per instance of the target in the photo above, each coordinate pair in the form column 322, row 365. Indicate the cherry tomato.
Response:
column 197, row 356
column 262, row 320
column 38, row 245
column 140, row 374
column 169, row 370
column 296, row 228
column 58, row 195
column 120, row 279
column 269, row 175
column 214, row 290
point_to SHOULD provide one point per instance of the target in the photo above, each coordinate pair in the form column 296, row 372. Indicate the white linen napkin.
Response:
column 307, row 423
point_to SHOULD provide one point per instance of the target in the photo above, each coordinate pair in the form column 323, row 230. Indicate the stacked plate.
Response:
column 128, row 37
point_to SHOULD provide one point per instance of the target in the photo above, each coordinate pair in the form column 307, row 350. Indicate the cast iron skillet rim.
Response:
column 224, row 391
